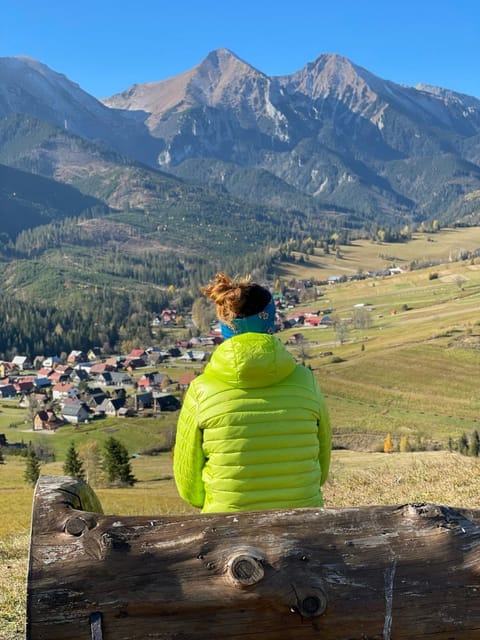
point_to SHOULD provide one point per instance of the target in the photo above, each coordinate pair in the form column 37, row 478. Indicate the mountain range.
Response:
column 143, row 194
column 329, row 137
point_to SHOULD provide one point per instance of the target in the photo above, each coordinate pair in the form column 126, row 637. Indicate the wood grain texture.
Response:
column 387, row 573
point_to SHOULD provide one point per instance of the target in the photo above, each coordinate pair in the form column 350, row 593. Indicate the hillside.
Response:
column 28, row 201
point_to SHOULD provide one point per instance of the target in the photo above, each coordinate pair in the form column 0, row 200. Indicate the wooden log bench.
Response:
column 370, row 573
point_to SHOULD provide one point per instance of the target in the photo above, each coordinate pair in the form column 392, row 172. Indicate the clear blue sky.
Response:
column 106, row 46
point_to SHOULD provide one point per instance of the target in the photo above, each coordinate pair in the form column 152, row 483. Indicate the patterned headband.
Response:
column 262, row 322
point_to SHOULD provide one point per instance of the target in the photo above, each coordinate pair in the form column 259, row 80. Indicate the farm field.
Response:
column 408, row 370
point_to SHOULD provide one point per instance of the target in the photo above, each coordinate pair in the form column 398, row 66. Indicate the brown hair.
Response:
column 237, row 298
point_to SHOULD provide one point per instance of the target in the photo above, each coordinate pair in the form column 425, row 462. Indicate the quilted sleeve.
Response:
column 188, row 457
column 324, row 435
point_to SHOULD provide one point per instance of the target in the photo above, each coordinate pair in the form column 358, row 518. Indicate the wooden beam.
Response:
column 372, row 573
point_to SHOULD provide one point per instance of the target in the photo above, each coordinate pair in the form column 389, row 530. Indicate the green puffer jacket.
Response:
column 253, row 432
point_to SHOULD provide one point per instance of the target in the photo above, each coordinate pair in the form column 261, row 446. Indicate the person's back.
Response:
column 253, row 432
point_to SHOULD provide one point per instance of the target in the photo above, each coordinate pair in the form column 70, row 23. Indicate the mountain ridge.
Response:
column 327, row 132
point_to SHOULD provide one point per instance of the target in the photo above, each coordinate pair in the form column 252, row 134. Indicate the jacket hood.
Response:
column 251, row 360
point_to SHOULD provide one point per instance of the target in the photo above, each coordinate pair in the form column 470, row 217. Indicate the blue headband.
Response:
column 262, row 322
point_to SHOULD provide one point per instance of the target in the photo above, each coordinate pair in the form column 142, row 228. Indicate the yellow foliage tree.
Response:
column 404, row 445
column 388, row 444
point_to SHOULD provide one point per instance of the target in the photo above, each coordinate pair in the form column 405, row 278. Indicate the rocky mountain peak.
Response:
column 333, row 76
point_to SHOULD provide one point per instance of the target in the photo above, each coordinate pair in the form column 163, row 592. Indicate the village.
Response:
column 88, row 386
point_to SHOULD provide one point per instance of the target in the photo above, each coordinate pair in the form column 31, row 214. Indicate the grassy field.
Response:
column 356, row 479
column 409, row 371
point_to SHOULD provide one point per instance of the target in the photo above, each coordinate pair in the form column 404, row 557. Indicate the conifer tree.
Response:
column 475, row 444
column 73, row 466
column 116, row 463
column 463, row 445
column 32, row 469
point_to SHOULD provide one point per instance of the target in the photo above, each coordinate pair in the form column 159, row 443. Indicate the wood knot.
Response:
column 309, row 605
column 245, row 569
column 75, row 526
column 313, row 605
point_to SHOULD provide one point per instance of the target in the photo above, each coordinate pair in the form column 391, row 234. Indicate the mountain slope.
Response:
column 31, row 88
column 28, row 201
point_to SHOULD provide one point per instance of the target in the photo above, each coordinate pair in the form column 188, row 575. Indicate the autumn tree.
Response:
column 404, row 445
column 388, row 444
column 90, row 455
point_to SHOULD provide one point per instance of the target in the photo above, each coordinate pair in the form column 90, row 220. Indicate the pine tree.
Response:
column 73, row 466
column 463, row 446
column 32, row 469
column 116, row 463
column 475, row 444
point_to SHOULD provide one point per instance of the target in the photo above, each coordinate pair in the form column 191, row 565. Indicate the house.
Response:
column 165, row 402
column 111, row 406
column 79, row 375
column 138, row 354
column 64, row 369
column 23, row 386
column 52, row 362
column 154, row 358
column 153, row 380
column 21, row 362
column 6, row 368
column 104, row 378
column 45, row 372
column 7, row 391
column 44, row 419
column 75, row 412
column 169, row 317
column 312, row 321
column 42, row 382
column 100, row 367
column 57, row 377
column 185, row 380
column 194, row 356
column 74, row 357
column 64, row 390
column 134, row 363
column 94, row 353
column 32, row 400
column 96, row 401
column 119, row 378
column 143, row 400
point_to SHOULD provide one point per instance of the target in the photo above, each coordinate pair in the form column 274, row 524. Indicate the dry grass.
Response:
column 356, row 479
column 364, row 254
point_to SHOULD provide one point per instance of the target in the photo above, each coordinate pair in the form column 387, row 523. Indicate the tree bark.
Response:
column 371, row 573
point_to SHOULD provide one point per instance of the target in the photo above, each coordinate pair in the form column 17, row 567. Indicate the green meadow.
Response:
column 408, row 369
